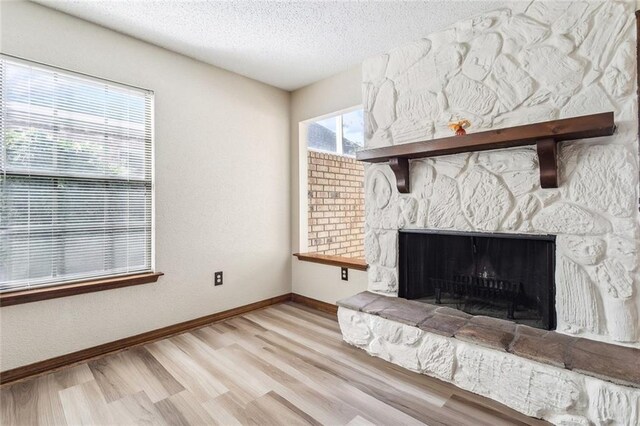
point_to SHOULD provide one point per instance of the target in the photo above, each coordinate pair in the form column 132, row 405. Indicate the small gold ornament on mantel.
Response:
column 459, row 127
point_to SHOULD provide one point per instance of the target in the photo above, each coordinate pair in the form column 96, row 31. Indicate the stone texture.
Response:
column 528, row 63
column 510, row 82
column 402, row 355
column 371, row 247
column 520, row 183
column 379, row 190
column 614, row 363
column 533, row 389
column 400, row 321
column 608, row 27
column 557, row 59
column 560, row 74
column 495, row 323
column 591, row 100
column 378, row 305
column 358, row 301
column 623, row 249
column 405, row 130
column 408, row 211
column 402, row 58
column 490, row 337
column 407, row 312
column 530, row 331
column 445, row 325
column 528, row 205
column 445, row 310
column 388, row 248
column 368, row 99
column 422, row 106
column 451, row 165
column 437, row 357
column 564, row 218
column 577, row 301
column 526, row 115
column 384, row 111
column 601, row 166
column 381, row 137
column 562, row 43
column 524, row 30
column 479, row 60
column 540, row 349
column 392, row 331
column 382, row 279
column 615, row 279
column 485, row 199
column 469, row 95
column 439, row 65
column 612, row 404
column 444, row 203
column 534, row 378
column 582, row 250
column 618, row 78
column 561, row 16
column 353, row 327
column 398, row 310
column 622, row 319
column 467, row 29
column 515, row 160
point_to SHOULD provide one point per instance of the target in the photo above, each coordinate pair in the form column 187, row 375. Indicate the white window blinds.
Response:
column 75, row 177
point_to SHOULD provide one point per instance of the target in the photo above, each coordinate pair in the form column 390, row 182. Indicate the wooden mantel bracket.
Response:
column 548, row 160
column 400, row 167
column 545, row 136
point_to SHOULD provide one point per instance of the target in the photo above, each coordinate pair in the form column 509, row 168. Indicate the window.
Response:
column 75, row 177
column 341, row 135
column 335, row 193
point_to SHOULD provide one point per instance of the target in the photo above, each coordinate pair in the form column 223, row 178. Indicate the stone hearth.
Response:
column 543, row 374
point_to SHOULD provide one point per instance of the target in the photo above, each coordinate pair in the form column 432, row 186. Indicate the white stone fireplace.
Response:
column 501, row 69
column 537, row 62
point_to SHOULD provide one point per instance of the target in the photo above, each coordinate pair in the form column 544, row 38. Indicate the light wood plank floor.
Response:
column 286, row 364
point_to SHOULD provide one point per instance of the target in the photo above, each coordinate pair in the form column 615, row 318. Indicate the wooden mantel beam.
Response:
column 544, row 135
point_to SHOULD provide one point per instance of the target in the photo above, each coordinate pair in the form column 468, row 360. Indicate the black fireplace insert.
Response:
column 506, row 276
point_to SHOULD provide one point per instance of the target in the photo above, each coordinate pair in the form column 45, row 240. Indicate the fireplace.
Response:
column 498, row 275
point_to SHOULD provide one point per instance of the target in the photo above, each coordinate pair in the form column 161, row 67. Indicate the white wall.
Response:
column 222, row 189
column 332, row 94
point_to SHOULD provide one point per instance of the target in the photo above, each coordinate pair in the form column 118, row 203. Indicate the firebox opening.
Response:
column 499, row 275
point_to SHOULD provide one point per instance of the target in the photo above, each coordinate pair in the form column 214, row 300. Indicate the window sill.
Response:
column 71, row 289
column 325, row 259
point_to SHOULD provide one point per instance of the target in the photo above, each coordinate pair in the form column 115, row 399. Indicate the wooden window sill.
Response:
column 325, row 259
column 71, row 289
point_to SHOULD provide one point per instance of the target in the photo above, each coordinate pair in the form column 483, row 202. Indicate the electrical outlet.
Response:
column 217, row 278
column 344, row 274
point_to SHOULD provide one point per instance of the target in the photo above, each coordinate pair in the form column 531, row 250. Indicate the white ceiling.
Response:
column 285, row 44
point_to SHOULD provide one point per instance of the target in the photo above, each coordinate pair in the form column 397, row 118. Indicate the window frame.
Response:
column 301, row 240
column 338, row 115
column 103, row 282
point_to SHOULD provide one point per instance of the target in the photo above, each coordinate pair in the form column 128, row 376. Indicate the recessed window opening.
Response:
column 76, row 181
column 335, row 185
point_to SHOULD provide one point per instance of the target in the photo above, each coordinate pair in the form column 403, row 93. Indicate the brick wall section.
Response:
column 336, row 205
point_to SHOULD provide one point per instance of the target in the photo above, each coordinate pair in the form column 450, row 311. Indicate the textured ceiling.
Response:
column 285, row 44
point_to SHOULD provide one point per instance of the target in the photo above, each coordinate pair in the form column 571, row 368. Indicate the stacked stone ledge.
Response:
column 540, row 373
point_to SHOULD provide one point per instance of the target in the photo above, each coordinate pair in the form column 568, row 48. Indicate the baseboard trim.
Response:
column 47, row 365
column 315, row 304
column 50, row 364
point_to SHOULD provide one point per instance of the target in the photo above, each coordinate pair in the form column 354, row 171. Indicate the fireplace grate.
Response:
column 488, row 289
